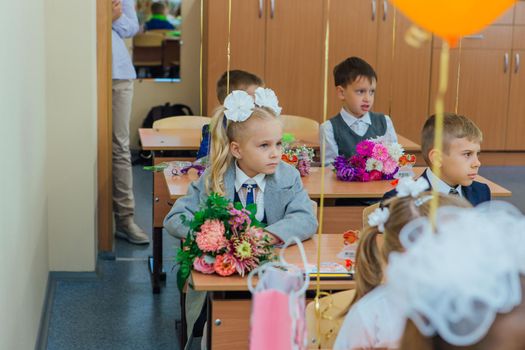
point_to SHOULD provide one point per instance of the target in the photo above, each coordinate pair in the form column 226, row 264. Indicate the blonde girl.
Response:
column 246, row 166
column 373, row 321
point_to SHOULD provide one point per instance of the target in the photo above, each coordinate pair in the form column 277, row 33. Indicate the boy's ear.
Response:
column 436, row 157
column 340, row 91
column 235, row 150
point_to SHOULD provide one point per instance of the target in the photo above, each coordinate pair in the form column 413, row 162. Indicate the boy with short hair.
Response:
column 239, row 80
column 355, row 82
column 459, row 160
column 158, row 18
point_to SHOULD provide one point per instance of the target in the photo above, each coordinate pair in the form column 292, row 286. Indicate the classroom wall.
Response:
column 149, row 93
column 23, row 202
column 72, row 133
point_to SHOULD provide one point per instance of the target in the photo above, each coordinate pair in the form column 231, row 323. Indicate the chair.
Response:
column 304, row 129
column 182, row 122
column 333, row 309
column 147, row 50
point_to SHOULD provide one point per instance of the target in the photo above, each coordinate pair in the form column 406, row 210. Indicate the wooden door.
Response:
column 353, row 32
column 294, row 55
column 247, row 42
column 403, row 75
column 516, row 116
column 483, row 84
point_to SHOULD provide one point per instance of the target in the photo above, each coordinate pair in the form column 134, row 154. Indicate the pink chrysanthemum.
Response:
column 224, row 265
column 380, row 152
column 389, row 166
column 375, row 175
column 365, row 148
column 202, row 266
column 239, row 218
column 211, row 236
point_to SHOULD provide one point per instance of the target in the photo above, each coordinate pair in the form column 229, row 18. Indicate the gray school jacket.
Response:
column 287, row 206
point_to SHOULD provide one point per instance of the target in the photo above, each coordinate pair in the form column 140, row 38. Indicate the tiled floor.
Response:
column 118, row 311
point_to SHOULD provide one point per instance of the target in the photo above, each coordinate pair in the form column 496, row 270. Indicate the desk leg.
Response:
column 155, row 262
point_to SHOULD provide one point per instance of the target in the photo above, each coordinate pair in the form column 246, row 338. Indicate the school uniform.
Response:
column 289, row 213
column 342, row 133
column 476, row 193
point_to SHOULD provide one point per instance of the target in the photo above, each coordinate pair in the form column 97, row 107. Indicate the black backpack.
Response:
column 156, row 113
column 167, row 110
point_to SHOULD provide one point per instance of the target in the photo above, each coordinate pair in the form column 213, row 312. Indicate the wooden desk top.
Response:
column 170, row 139
column 331, row 246
column 189, row 139
column 178, row 185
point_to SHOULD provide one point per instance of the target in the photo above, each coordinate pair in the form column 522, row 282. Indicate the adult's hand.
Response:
column 116, row 6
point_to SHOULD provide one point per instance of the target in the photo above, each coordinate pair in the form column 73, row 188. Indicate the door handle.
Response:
column 385, row 10
column 260, row 8
column 272, row 9
column 374, row 10
column 516, row 63
column 474, row 37
column 506, row 62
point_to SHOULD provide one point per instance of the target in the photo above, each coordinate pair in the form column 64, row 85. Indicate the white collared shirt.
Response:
column 358, row 125
column 260, row 179
column 442, row 186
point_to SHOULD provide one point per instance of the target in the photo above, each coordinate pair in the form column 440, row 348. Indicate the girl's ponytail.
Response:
column 220, row 156
column 369, row 269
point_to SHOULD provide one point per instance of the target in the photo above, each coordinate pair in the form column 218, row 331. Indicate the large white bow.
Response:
column 238, row 106
column 408, row 187
column 378, row 218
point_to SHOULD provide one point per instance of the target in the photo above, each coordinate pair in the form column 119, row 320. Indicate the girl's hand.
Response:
column 273, row 239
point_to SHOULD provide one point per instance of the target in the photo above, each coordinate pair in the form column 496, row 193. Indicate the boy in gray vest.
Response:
column 355, row 83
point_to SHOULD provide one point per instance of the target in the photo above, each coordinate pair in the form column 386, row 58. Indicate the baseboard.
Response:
column 47, row 307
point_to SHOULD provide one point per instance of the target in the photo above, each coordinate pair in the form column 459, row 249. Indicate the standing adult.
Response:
column 125, row 25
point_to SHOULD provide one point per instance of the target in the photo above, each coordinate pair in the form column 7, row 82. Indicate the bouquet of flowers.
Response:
column 374, row 160
column 223, row 239
column 300, row 157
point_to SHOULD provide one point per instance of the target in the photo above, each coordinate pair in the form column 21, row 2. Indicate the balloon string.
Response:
column 228, row 52
column 438, row 129
column 323, row 154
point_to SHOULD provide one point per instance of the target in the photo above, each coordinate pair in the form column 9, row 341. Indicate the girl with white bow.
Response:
column 373, row 320
column 246, row 167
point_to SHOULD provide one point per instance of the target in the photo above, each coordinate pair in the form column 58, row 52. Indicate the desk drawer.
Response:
column 234, row 329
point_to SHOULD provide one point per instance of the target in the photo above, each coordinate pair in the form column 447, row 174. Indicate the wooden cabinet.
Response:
column 280, row 41
column 247, row 48
column 515, row 139
column 403, row 76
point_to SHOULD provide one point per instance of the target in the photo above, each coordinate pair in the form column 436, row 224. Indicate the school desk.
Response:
column 229, row 303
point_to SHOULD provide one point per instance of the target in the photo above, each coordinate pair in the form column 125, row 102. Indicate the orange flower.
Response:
column 350, row 237
column 224, row 265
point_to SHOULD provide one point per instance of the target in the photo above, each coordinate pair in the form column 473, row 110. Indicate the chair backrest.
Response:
column 182, row 122
column 304, row 129
column 333, row 309
column 148, row 39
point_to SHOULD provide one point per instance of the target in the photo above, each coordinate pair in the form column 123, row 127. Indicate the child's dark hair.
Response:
column 352, row 68
column 157, row 8
column 239, row 80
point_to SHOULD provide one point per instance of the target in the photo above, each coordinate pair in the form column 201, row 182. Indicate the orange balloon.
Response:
column 452, row 19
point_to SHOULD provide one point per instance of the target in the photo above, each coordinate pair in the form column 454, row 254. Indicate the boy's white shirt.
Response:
column 442, row 186
column 259, row 179
column 358, row 125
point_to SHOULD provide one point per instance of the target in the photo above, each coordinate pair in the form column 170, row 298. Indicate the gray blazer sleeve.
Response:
column 299, row 219
column 186, row 205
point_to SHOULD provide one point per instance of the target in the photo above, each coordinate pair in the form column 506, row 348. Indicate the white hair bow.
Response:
column 408, row 187
column 267, row 98
column 378, row 218
column 239, row 104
